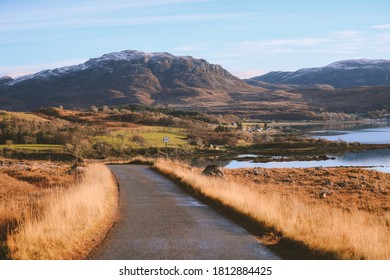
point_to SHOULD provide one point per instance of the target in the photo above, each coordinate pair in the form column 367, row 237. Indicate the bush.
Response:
column 139, row 139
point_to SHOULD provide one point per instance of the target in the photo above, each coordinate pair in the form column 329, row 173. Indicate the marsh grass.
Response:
column 347, row 235
column 70, row 219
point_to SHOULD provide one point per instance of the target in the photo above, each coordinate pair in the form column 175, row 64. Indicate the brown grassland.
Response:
column 46, row 213
column 351, row 221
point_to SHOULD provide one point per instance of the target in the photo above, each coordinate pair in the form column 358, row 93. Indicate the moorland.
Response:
column 49, row 159
column 58, row 127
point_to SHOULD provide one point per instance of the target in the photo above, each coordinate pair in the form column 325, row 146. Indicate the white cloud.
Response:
column 382, row 26
column 347, row 33
column 102, row 14
column 305, row 42
column 278, row 46
column 53, row 22
column 281, row 45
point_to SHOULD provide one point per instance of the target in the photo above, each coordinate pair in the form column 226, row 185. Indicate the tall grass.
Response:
column 74, row 218
column 349, row 235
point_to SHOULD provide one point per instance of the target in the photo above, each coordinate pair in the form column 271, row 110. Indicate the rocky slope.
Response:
column 119, row 78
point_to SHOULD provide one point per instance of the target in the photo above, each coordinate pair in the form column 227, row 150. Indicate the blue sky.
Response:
column 247, row 37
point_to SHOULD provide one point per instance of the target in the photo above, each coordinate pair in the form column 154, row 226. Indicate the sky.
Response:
column 246, row 37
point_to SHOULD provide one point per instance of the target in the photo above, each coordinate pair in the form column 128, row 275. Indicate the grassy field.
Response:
column 152, row 137
column 21, row 116
column 345, row 232
column 55, row 221
column 34, row 147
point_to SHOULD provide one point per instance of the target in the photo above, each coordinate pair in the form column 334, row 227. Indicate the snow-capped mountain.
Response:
column 340, row 74
column 105, row 61
column 120, row 77
column 185, row 82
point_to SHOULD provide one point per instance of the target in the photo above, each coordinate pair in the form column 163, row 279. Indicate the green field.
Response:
column 34, row 147
column 21, row 116
column 152, row 137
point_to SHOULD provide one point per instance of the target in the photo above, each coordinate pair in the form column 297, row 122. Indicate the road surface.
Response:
column 160, row 221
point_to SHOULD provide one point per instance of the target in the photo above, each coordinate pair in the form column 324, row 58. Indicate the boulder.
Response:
column 77, row 168
column 213, row 170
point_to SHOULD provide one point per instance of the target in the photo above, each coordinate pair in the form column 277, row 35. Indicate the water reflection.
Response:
column 376, row 159
column 375, row 133
column 362, row 134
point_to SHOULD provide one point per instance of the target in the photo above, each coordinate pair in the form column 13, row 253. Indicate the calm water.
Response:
column 367, row 134
column 379, row 135
column 377, row 159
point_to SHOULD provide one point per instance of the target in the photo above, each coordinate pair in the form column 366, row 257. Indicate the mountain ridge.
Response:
column 339, row 74
column 184, row 82
column 121, row 77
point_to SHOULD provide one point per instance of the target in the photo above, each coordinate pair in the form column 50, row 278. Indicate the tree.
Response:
column 94, row 109
column 240, row 127
column 139, row 139
column 9, row 142
column 221, row 128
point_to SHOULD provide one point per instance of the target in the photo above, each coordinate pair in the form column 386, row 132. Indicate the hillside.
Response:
column 340, row 74
column 183, row 82
column 355, row 100
column 121, row 78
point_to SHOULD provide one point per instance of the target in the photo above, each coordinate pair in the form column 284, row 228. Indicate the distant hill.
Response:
column 119, row 78
column 162, row 79
column 341, row 74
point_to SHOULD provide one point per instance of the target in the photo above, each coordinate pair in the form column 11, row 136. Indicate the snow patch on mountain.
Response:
column 345, row 73
column 130, row 55
column 127, row 55
column 356, row 63
column 45, row 74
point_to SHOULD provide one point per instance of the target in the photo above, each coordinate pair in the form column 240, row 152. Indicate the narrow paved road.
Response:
column 161, row 221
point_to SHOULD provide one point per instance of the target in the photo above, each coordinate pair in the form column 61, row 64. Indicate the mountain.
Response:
column 119, row 78
column 134, row 77
column 340, row 74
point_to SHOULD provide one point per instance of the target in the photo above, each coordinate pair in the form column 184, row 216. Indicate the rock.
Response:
column 341, row 184
column 325, row 193
column 327, row 182
column 77, row 168
column 270, row 238
column 256, row 171
column 213, row 170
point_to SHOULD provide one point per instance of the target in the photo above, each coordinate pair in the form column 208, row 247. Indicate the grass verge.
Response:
column 317, row 231
column 73, row 219
column 34, row 147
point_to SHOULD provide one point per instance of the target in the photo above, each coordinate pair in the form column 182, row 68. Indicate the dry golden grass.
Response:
column 42, row 175
column 70, row 219
column 349, row 235
column 349, row 189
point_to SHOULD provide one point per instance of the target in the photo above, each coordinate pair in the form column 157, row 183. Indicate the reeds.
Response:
column 72, row 219
column 348, row 235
